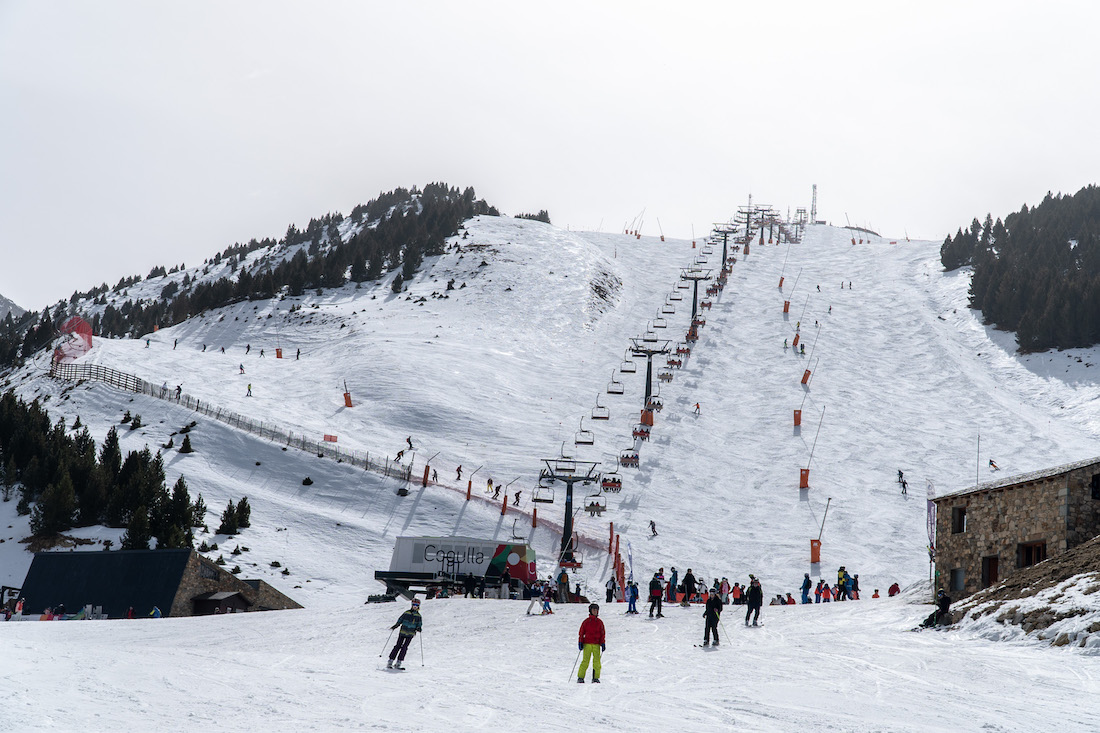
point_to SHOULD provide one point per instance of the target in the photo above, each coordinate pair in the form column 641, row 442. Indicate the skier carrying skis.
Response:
column 712, row 615
column 591, row 639
column 410, row 623
column 755, row 601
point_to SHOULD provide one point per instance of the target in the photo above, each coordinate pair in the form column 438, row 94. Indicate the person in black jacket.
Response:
column 754, row 600
column 655, row 591
column 689, row 588
column 712, row 614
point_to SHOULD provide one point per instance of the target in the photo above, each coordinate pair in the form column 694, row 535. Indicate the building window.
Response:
column 958, row 519
column 1030, row 553
column 1095, row 486
column 990, row 571
column 958, row 578
column 205, row 571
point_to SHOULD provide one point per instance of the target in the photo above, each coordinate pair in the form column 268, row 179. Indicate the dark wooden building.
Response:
column 985, row 533
column 178, row 582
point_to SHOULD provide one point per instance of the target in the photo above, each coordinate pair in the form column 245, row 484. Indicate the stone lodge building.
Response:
column 987, row 532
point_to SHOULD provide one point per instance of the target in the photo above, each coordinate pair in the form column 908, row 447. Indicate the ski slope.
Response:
column 498, row 375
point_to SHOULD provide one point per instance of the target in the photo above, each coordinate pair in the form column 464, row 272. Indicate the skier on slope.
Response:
column 806, row 585
column 673, row 584
column 611, row 586
column 992, row 465
column 712, row 615
column 755, row 601
column 632, row 597
column 591, row 639
column 652, row 528
column 410, row 623
column 458, row 475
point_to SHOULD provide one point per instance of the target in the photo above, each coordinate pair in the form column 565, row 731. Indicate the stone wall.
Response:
column 204, row 576
column 1057, row 509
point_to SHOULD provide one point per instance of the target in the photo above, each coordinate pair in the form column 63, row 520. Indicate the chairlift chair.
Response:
column 675, row 295
column 543, row 495
column 627, row 366
column 516, row 535
column 599, row 412
column 615, row 386
column 665, row 376
column 650, row 336
column 701, row 259
column 595, row 504
column 612, row 481
column 668, row 308
column 659, row 321
column 684, row 284
column 641, row 431
column 584, row 437
column 629, row 457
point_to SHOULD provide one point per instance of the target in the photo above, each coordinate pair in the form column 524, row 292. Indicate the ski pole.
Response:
column 421, row 648
column 387, row 643
column 575, row 662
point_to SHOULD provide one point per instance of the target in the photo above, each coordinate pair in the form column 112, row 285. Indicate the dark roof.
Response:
column 115, row 580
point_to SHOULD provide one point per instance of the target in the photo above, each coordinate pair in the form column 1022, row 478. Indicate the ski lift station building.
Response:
column 986, row 532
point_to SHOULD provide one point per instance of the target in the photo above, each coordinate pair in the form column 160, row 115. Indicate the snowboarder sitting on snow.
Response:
column 791, row 601
column 591, row 640
column 778, row 601
column 410, row 623
column 712, row 615
column 893, row 590
column 942, row 615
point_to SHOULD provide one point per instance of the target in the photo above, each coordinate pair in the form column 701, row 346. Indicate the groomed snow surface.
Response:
column 498, row 375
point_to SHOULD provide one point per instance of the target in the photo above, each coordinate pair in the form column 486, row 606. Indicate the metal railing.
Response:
column 267, row 431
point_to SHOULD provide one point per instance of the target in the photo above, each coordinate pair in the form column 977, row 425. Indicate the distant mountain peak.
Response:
column 7, row 306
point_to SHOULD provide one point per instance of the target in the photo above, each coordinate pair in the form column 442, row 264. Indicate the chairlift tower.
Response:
column 648, row 349
column 695, row 276
column 725, row 229
column 569, row 472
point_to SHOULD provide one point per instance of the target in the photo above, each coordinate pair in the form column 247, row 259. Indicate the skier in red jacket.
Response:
column 591, row 641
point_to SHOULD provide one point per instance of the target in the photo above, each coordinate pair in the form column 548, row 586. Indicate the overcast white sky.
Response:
column 135, row 134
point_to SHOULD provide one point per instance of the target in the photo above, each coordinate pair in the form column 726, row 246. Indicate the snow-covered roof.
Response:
column 1022, row 478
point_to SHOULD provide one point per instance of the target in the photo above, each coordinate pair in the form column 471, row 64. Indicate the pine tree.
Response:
column 56, row 509
column 186, row 447
column 244, row 513
column 229, row 524
column 198, row 512
column 137, row 533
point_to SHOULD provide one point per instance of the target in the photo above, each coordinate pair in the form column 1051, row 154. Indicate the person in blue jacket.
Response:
column 806, row 585
column 632, row 597
column 410, row 623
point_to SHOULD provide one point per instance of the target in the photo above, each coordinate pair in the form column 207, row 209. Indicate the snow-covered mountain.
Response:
column 492, row 358
column 8, row 306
